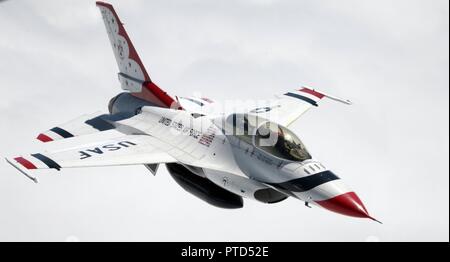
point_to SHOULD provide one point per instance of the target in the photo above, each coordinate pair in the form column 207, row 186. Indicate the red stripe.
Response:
column 27, row 164
column 312, row 92
column 44, row 138
column 161, row 95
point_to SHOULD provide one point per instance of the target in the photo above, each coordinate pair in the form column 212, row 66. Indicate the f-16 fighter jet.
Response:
column 220, row 157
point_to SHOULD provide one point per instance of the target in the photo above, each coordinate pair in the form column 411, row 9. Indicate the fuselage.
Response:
column 246, row 155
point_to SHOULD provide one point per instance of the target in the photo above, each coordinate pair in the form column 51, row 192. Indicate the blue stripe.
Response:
column 50, row 163
column 303, row 184
column 61, row 132
column 304, row 98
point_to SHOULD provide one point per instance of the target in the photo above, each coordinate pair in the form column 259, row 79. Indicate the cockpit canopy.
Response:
column 267, row 136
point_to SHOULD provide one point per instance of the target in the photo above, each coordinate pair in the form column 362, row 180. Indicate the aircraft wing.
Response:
column 122, row 150
column 83, row 125
column 289, row 107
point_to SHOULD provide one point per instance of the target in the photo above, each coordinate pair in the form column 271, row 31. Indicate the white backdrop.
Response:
column 390, row 57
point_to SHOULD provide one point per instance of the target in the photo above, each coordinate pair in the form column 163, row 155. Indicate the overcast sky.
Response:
column 389, row 57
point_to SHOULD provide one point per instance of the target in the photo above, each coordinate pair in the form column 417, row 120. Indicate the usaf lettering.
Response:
column 105, row 148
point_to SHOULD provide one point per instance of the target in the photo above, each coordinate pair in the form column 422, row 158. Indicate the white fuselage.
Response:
column 230, row 163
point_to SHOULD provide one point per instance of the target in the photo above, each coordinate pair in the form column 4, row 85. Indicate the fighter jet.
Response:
column 220, row 157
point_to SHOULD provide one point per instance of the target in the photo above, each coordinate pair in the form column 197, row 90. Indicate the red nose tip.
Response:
column 347, row 204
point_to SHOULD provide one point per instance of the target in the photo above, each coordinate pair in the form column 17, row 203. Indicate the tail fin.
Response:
column 133, row 76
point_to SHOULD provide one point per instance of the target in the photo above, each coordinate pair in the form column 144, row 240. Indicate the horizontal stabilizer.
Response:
column 73, row 128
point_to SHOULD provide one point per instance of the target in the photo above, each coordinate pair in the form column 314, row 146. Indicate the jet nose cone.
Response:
column 347, row 204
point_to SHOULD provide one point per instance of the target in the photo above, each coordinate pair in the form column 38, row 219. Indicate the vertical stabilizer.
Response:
column 133, row 76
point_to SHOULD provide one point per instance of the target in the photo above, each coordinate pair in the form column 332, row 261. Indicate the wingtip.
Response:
column 9, row 161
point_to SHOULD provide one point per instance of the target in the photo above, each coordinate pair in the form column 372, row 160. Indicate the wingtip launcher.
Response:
column 335, row 98
column 34, row 179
